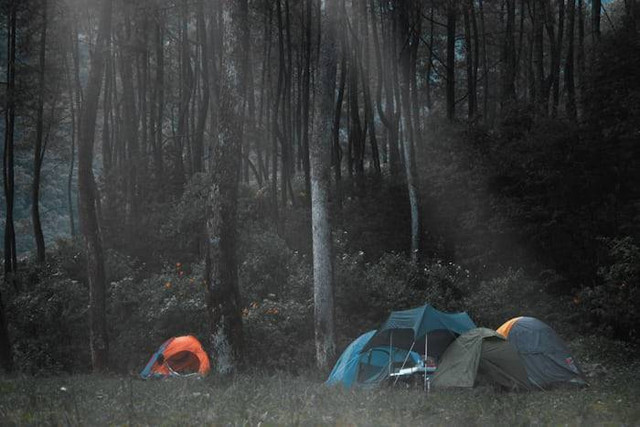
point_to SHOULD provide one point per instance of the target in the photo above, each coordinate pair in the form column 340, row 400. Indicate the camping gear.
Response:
column 401, row 343
column 370, row 367
column 178, row 356
column 483, row 355
column 408, row 328
column 545, row 355
column 423, row 329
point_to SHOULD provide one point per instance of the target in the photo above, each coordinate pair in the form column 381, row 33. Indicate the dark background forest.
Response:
column 165, row 160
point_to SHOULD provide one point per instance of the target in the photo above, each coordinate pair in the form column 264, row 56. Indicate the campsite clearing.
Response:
column 286, row 399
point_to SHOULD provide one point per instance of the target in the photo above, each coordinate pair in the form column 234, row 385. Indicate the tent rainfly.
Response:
column 545, row 355
column 178, row 356
column 481, row 355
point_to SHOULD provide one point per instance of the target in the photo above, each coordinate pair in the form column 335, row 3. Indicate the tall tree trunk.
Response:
column 538, row 57
column 485, row 65
column 569, row 82
column 387, row 114
column 306, row 98
column 221, row 268
column 6, row 351
column 10, row 256
column 72, row 108
column 451, row 60
column 470, row 59
column 596, row 8
column 89, row 199
column 337, row 149
column 409, row 131
column 39, row 150
column 203, row 110
column 509, row 58
column 556, row 60
column 323, row 275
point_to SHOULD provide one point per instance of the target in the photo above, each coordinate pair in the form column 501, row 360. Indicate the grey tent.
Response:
column 481, row 354
column 545, row 355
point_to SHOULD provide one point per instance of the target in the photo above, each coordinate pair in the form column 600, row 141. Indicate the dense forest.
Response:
column 276, row 176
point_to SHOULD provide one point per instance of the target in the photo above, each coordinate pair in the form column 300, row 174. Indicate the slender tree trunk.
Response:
column 557, row 61
column 203, row 110
column 509, row 58
column 409, row 131
column 451, row 60
column 6, row 351
column 89, row 199
column 72, row 108
column 485, row 65
column 39, row 149
column 306, row 98
column 337, row 149
column 470, row 58
column 569, row 82
column 320, row 151
column 10, row 256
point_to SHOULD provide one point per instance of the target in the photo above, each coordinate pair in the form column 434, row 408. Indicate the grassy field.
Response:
column 613, row 397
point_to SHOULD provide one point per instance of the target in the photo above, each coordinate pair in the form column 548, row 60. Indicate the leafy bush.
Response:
column 612, row 304
column 492, row 302
column 279, row 335
column 144, row 313
column 370, row 290
column 48, row 322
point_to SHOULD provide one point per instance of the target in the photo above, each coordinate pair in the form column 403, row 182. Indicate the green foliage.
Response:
column 370, row 290
column 144, row 313
column 492, row 302
column 279, row 335
column 48, row 322
column 612, row 304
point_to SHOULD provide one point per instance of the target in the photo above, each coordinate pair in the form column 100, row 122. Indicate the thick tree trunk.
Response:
column 596, row 8
column 39, row 149
column 89, row 199
column 221, row 272
column 320, row 171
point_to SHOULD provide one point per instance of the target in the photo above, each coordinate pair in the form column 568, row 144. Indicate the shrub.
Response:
column 612, row 304
column 144, row 313
column 367, row 291
column 492, row 302
column 48, row 322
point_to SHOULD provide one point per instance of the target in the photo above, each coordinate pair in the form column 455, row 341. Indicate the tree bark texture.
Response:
column 320, row 151
column 89, row 199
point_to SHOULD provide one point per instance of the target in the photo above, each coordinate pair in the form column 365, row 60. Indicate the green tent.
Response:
column 485, row 354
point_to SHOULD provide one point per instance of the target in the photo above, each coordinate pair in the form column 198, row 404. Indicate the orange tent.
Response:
column 178, row 356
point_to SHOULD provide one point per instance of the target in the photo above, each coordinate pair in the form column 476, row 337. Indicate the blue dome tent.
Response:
column 399, row 343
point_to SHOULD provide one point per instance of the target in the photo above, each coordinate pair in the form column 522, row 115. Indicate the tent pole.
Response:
column 426, row 340
column 405, row 361
column 390, row 350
